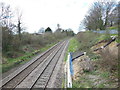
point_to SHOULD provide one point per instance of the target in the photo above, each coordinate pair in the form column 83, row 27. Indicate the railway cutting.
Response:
column 39, row 72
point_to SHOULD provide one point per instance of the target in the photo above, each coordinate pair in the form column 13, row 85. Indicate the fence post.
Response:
column 69, row 79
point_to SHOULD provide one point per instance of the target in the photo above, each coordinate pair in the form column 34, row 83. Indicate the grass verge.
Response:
column 73, row 46
column 100, row 76
column 94, row 79
column 112, row 28
column 11, row 63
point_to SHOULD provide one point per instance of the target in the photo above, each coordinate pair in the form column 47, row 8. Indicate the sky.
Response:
column 49, row 13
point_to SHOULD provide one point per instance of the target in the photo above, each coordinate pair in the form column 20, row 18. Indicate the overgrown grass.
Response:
column 82, row 83
column 109, row 59
column 103, row 37
column 23, row 59
column 104, row 59
column 93, row 79
column 93, row 56
column 112, row 28
column 106, row 36
column 105, row 74
column 73, row 46
column 118, row 40
column 0, row 69
column 87, row 40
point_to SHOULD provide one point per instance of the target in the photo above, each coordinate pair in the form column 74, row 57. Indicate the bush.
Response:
column 29, row 42
column 87, row 40
column 109, row 59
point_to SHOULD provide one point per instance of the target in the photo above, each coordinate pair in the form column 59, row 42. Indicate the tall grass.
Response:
column 73, row 46
column 11, row 63
column 109, row 59
column 87, row 40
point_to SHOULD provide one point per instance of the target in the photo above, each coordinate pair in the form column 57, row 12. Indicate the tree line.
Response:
column 16, row 41
column 102, row 14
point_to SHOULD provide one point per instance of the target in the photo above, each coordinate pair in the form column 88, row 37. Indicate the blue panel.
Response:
column 71, row 66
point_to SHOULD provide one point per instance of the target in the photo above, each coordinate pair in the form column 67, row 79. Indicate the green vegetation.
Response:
column 107, row 37
column 95, row 20
column 112, row 28
column 0, row 68
column 105, row 62
column 47, row 47
column 18, row 45
column 17, row 50
column 118, row 40
column 82, row 83
column 73, row 46
column 105, row 74
column 10, row 63
column 93, row 56
column 101, row 85
column 94, row 79
column 87, row 40
column 103, row 37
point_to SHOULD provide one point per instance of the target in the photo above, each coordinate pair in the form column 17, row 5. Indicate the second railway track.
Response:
column 36, row 73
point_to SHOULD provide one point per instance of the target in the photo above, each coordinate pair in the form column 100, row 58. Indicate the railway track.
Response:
column 37, row 73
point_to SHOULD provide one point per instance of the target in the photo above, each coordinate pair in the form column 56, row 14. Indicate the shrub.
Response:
column 109, row 59
column 87, row 40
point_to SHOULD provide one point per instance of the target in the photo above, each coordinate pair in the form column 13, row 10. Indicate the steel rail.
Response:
column 13, row 75
column 47, row 72
column 29, row 80
column 54, row 79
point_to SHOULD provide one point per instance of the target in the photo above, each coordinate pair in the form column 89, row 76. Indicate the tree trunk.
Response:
column 111, row 23
column 19, row 30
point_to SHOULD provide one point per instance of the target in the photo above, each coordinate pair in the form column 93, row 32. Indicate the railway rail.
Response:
column 37, row 72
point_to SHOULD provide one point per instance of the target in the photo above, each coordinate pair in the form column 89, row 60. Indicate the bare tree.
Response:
column 58, row 25
column 108, row 6
column 99, row 14
column 19, row 20
column 5, row 15
column 113, row 17
column 94, row 18
column 58, row 28
column 41, row 30
column 118, row 8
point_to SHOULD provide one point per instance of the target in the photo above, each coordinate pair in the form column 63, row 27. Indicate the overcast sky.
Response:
column 48, row 13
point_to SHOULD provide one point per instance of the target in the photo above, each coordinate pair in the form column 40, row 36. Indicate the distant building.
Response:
column 48, row 30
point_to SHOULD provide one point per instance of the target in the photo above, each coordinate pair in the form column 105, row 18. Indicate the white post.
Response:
column 69, row 80
column 65, row 76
